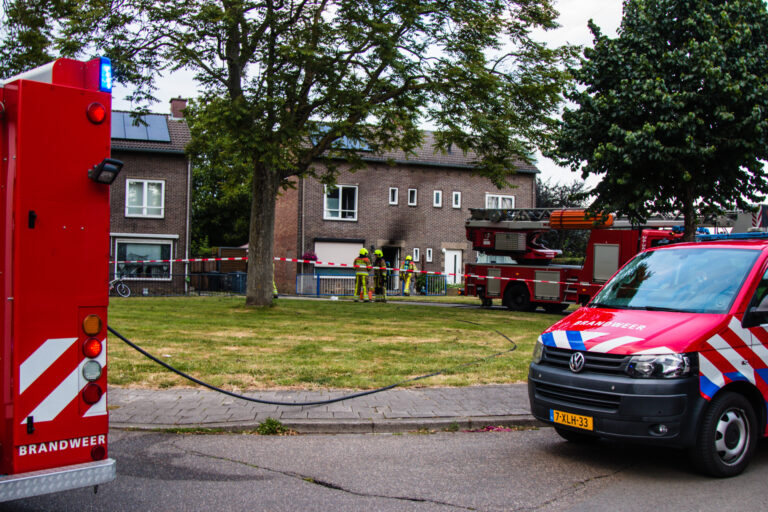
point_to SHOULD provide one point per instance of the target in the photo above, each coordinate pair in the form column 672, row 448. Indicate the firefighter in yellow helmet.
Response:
column 380, row 276
column 361, row 265
column 406, row 273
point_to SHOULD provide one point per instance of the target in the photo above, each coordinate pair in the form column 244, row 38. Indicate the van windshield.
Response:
column 697, row 280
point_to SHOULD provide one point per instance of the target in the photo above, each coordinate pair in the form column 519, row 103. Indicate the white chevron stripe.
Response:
column 753, row 343
column 656, row 351
column 561, row 339
column 42, row 359
column 609, row 345
column 57, row 400
column 710, row 371
column 733, row 357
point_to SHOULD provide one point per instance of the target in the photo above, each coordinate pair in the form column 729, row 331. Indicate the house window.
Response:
column 428, row 255
column 437, row 199
column 415, row 254
column 133, row 250
column 340, row 203
column 498, row 202
column 144, row 198
column 393, row 195
column 411, row 197
column 456, row 200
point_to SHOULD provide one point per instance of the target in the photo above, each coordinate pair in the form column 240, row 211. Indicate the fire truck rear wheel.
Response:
column 574, row 436
column 727, row 436
column 517, row 298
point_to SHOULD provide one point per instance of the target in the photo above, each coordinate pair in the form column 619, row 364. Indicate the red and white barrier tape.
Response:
column 314, row 262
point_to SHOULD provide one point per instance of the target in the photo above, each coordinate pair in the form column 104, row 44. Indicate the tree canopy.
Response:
column 673, row 113
column 285, row 80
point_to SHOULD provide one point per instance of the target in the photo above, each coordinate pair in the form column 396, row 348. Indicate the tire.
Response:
column 727, row 436
column 574, row 436
column 517, row 298
column 123, row 290
column 555, row 308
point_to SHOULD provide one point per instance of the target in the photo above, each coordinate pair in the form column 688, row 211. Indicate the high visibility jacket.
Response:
column 380, row 266
column 361, row 265
column 408, row 266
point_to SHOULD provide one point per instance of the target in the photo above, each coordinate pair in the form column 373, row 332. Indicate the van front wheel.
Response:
column 727, row 436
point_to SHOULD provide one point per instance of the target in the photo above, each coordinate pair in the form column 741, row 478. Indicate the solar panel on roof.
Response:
column 118, row 128
column 153, row 129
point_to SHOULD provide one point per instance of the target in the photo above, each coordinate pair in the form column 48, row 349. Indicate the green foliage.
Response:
column 672, row 112
column 271, row 427
column 284, row 83
column 573, row 242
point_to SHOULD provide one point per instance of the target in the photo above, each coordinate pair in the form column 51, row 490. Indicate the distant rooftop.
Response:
column 158, row 134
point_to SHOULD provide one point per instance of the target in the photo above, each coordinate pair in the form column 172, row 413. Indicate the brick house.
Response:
column 150, row 200
column 417, row 207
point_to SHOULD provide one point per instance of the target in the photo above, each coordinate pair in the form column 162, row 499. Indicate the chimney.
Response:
column 177, row 107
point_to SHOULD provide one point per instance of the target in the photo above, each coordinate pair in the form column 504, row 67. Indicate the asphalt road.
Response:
column 521, row 471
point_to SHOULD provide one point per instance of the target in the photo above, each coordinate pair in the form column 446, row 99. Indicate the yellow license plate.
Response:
column 571, row 420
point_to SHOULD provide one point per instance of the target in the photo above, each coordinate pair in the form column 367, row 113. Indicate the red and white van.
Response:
column 672, row 351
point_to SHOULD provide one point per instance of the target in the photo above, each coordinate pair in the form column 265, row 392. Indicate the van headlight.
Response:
column 665, row 366
column 538, row 351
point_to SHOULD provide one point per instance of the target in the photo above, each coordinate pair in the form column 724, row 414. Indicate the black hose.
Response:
column 321, row 402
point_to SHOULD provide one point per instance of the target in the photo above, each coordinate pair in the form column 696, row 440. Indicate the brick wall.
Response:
column 171, row 168
column 378, row 223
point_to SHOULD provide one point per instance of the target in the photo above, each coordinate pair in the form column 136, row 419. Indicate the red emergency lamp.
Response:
column 96, row 113
column 106, row 171
column 92, row 347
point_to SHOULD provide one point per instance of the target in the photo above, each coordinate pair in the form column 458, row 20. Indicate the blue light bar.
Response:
column 105, row 74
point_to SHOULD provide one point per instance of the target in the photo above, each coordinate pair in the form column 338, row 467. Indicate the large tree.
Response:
column 285, row 81
column 673, row 113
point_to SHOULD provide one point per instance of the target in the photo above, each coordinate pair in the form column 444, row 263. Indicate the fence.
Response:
column 234, row 283
column 340, row 285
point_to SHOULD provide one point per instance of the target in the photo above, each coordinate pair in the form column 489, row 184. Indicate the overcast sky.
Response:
column 574, row 15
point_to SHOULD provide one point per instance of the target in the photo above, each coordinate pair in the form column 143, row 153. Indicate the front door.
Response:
column 453, row 266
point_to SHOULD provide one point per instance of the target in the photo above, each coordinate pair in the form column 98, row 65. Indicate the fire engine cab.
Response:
column 672, row 351
column 529, row 278
column 54, row 251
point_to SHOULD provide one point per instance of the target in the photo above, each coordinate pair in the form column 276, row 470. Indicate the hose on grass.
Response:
column 318, row 402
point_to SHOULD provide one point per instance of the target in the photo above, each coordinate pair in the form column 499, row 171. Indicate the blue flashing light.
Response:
column 105, row 74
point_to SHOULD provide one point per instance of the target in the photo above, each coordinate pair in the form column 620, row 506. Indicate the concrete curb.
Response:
column 356, row 426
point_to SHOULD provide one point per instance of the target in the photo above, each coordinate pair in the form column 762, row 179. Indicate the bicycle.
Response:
column 120, row 287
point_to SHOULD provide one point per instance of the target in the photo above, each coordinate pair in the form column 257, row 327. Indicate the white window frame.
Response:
column 415, row 197
column 428, row 255
column 456, row 199
column 119, row 268
column 340, row 188
column 437, row 199
column 143, row 205
column 498, row 198
column 416, row 253
column 393, row 195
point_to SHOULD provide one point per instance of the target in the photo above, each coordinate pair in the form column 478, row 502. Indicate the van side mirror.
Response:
column 754, row 317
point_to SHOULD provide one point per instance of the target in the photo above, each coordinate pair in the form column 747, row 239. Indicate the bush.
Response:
column 271, row 427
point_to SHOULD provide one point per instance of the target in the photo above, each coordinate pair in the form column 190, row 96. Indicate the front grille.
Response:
column 578, row 396
column 593, row 361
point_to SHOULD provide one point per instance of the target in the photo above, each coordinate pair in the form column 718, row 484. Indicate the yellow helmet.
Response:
column 363, row 251
column 408, row 258
column 378, row 253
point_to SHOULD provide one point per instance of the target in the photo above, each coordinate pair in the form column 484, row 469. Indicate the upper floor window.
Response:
column 428, row 255
column 412, row 197
column 456, row 200
column 416, row 254
column 393, row 195
column 340, row 203
column 145, row 198
column 499, row 202
column 437, row 199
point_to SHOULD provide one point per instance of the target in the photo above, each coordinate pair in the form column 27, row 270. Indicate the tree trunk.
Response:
column 260, row 238
column 689, row 217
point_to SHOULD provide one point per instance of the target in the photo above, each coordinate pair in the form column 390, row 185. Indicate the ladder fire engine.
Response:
column 54, row 252
column 533, row 280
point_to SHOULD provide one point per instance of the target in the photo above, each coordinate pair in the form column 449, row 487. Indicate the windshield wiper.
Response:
column 657, row 308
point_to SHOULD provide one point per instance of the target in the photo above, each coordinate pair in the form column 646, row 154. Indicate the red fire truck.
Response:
column 529, row 279
column 54, row 253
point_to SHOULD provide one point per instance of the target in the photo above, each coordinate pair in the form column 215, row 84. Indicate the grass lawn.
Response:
column 315, row 344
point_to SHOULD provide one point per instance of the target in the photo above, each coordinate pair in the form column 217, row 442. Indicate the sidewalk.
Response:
column 395, row 410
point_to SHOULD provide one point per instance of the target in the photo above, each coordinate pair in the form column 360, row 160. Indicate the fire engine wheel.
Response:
column 727, row 436
column 123, row 290
column 517, row 298
column 574, row 436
